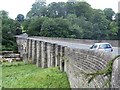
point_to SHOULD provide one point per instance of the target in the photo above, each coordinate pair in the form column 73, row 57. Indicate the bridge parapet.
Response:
column 80, row 62
column 46, row 53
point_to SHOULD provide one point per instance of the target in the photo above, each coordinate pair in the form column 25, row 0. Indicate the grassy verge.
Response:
column 18, row 75
column 0, row 76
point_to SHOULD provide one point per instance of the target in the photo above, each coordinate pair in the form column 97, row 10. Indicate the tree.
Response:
column 113, row 30
column 83, row 9
column 26, row 24
column 20, row 18
column 55, row 28
column 109, row 13
column 79, row 18
column 76, row 32
column 38, row 9
column 8, row 31
column 116, row 17
column 70, row 8
column 4, row 14
column 56, row 9
column 35, row 25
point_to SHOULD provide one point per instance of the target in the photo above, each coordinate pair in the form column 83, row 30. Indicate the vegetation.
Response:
column 63, row 19
column 67, row 20
column 9, row 27
column 105, row 72
column 0, row 76
column 71, row 20
column 19, row 75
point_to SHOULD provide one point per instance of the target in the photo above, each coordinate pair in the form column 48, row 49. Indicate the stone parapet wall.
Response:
column 116, row 74
column 84, row 61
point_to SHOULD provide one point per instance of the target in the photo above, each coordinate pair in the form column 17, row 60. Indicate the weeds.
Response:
column 105, row 72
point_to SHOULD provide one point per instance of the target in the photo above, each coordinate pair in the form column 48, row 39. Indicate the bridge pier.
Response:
column 42, row 54
column 66, row 59
column 29, row 50
column 63, row 59
column 38, row 50
column 56, row 56
column 48, row 55
column 25, row 52
column 60, row 57
column 33, row 51
column 52, row 55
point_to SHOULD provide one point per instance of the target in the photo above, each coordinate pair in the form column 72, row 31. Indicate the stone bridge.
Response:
column 46, row 52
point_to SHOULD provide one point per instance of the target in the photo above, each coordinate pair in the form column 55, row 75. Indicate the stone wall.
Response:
column 75, row 62
column 83, row 61
column 21, row 42
column 116, row 74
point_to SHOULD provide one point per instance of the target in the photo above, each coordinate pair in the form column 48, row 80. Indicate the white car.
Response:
column 102, row 47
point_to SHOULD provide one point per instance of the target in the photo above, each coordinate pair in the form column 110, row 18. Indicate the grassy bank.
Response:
column 18, row 75
column 0, row 76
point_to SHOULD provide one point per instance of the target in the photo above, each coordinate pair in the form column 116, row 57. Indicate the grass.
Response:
column 0, row 76
column 19, row 75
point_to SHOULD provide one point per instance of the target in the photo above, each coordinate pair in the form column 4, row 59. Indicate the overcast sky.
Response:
column 15, row 7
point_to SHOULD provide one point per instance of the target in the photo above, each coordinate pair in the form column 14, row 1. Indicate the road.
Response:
column 73, row 45
column 84, row 46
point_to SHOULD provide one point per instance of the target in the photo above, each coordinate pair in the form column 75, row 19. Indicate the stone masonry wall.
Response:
column 79, row 61
column 75, row 62
column 116, row 74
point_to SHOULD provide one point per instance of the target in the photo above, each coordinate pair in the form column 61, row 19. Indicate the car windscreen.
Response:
column 104, row 46
column 93, row 47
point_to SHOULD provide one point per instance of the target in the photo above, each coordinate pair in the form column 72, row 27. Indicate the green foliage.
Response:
column 109, row 13
column 38, row 9
column 9, row 27
column 56, row 9
column 25, row 25
column 20, row 18
column 18, row 75
column 83, row 9
column 3, row 14
column 114, row 30
column 34, row 26
column 55, row 28
column 0, row 76
column 79, row 18
column 68, row 20
column 105, row 72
